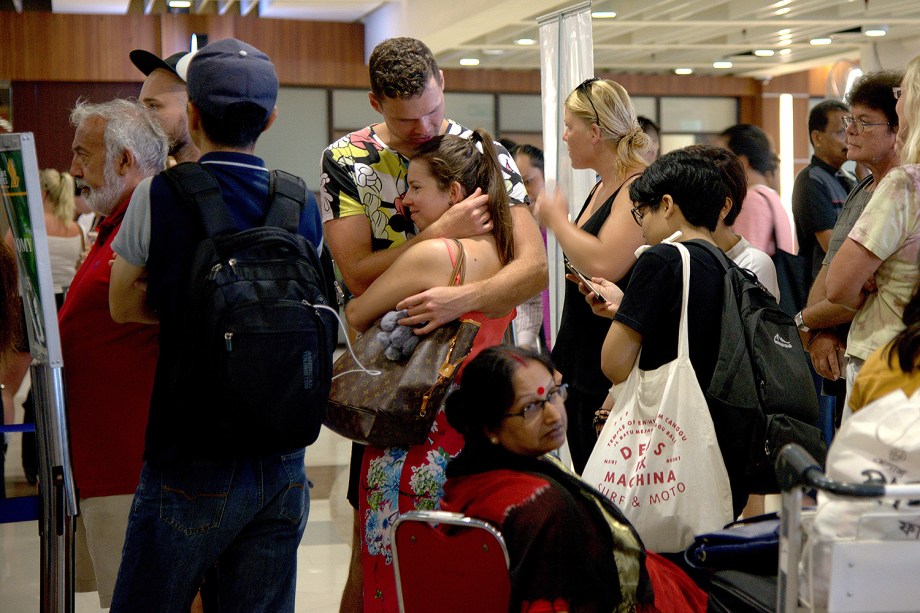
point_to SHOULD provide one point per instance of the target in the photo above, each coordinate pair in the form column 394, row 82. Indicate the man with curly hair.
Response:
column 364, row 177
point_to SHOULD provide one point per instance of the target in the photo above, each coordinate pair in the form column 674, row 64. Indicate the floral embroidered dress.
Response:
column 399, row 479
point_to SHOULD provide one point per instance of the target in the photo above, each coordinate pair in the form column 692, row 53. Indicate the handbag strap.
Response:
column 683, row 340
column 459, row 272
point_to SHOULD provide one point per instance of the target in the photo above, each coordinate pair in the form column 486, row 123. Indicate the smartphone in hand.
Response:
column 584, row 279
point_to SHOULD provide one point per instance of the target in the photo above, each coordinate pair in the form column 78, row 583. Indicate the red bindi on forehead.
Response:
column 540, row 390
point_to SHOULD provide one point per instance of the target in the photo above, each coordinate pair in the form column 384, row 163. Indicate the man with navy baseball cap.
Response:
column 201, row 503
column 164, row 94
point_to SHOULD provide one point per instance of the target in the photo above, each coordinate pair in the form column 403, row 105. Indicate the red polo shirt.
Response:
column 108, row 375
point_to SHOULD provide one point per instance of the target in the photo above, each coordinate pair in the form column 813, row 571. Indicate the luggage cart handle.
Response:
column 795, row 467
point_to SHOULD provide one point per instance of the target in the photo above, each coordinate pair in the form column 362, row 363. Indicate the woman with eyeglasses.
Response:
column 824, row 326
column 603, row 134
column 680, row 197
column 570, row 548
column 875, row 271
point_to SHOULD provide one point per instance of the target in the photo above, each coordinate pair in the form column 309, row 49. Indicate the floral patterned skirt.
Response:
column 395, row 480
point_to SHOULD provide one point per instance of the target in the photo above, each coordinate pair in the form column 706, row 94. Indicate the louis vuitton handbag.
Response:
column 398, row 406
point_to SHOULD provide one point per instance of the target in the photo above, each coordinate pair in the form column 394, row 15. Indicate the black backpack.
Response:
column 258, row 336
column 762, row 395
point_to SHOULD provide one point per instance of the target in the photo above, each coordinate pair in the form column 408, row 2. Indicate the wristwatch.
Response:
column 800, row 323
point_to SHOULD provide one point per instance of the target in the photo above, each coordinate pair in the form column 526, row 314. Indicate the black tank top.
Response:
column 577, row 351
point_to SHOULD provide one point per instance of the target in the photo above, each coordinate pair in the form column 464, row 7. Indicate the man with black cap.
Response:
column 198, row 504
column 165, row 93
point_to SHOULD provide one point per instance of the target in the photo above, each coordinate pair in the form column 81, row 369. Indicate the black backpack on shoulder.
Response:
column 258, row 335
column 762, row 395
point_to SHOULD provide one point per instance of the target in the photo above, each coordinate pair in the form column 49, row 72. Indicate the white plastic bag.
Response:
column 880, row 443
column 657, row 457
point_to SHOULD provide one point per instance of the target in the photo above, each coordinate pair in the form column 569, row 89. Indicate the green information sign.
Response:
column 21, row 197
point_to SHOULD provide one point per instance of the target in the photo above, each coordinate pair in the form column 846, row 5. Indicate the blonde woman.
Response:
column 65, row 238
column 603, row 134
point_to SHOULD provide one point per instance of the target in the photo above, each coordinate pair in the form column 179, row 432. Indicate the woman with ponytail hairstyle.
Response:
column 394, row 480
column 602, row 133
column 65, row 238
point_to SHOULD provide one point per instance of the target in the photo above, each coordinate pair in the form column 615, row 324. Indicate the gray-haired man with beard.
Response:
column 109, row 367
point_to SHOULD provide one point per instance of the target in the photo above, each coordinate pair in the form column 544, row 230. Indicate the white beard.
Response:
column 103, row 200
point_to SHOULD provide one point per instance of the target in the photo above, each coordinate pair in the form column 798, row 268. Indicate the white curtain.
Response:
column 566, row 59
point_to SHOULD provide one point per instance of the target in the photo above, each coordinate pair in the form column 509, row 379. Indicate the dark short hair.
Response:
column 733, row 175
column 239, row 128
column 818, row 117
column 401, row 68
column 534, row 154
column 691, row 179
column 486, row 391
column 874, row 91
column 749, row 140
column 646, row 124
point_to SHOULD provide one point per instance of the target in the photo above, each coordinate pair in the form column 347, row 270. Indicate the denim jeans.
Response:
column 245, row 516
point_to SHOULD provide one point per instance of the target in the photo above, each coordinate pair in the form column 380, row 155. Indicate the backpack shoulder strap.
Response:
column 198, row 188
column 288, row 196
column 717, row 253
column 728, row 264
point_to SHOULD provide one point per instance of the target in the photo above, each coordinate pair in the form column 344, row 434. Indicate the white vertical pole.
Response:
column 566, row 59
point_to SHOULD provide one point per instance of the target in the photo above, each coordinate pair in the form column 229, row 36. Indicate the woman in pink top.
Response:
column 762, row 221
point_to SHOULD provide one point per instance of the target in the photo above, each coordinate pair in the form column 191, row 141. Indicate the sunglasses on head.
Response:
column 585, row 87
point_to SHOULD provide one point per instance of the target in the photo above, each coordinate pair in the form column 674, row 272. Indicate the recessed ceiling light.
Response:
column 722, row 64
column 785, row 32
column 764, row 52
column 785, row 51
column 782, row 11
column 876, row 31
column 820, row 41
column 785, row 41
column 180, row 4
column 493, row 52
column 683, row 71
column 782, row 3
column 525, row 41
column 469, row 61
column 604, row 14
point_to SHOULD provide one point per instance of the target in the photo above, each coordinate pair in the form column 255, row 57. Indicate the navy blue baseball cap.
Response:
column 226, row 72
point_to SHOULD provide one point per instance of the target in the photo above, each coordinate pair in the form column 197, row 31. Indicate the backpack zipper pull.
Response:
column 232, row 263
column 214, row 270
column 228, row 340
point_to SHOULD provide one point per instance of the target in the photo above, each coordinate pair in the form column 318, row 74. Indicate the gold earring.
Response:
column 494, row 440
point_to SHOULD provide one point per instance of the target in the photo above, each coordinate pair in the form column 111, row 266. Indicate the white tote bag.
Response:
column 880, row 443
column 657, row 457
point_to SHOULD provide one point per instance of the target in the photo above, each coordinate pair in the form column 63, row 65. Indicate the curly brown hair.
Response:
column 401, row 68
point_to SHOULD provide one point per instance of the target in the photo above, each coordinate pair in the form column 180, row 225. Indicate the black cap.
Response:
column 147, row 62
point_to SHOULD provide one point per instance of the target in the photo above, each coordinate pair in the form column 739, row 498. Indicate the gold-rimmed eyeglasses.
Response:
column 859, row 126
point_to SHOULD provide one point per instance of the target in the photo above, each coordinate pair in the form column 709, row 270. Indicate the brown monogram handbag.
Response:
column 398, row 406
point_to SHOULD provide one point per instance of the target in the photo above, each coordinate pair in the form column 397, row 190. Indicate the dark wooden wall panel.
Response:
column 44, row 107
